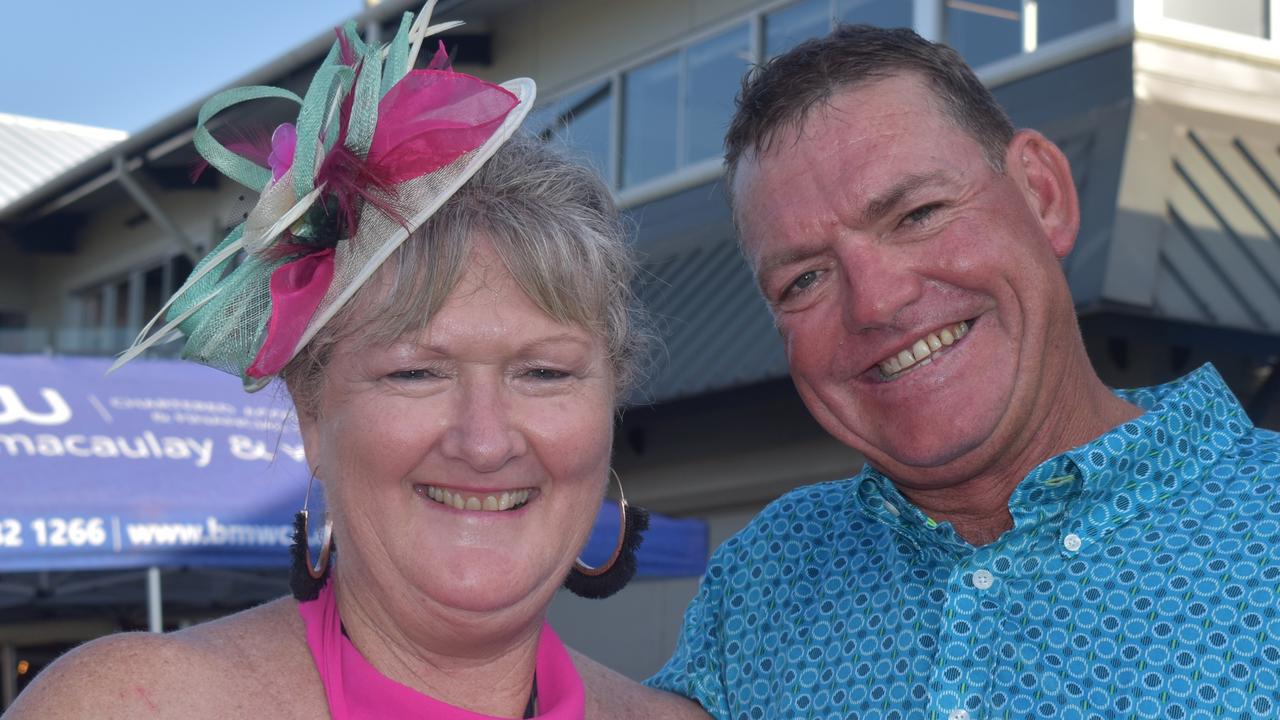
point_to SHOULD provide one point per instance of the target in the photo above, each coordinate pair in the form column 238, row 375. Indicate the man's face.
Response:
column 917, row 289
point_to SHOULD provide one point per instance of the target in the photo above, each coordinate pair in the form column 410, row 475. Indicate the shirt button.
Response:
column 983, row 579
column 1071, row 542
column 958, row 715
column 893, row 509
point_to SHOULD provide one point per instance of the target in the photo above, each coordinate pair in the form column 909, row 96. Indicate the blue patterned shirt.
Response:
column 1141, row 579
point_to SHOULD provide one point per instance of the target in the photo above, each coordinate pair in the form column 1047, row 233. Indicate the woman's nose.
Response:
column 481, row 431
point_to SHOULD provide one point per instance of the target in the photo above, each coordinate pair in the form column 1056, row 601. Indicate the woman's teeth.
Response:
column 485, row 503
column 921, row 350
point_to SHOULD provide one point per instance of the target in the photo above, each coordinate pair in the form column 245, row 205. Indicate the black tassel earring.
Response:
column 306, row 578
column 601, row 582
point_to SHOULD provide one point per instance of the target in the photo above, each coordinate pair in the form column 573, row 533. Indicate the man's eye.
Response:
column 921, row 213
column 803, row 282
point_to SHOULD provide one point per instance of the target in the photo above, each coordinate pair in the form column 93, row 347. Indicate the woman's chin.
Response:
column 486, row 587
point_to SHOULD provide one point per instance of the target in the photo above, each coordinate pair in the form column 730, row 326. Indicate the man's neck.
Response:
column 978, row 506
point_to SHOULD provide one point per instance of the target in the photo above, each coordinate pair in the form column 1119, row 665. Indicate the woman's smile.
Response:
column 475, row 501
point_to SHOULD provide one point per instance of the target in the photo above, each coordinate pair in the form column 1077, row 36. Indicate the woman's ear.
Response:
column 1043, row 174
column 307, row 423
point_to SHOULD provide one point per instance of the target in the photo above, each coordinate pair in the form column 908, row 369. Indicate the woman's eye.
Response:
column 921, row 213
column 546, row 374
column 414, row 374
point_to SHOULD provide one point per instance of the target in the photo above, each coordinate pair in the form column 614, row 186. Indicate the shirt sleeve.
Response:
column 696, row 670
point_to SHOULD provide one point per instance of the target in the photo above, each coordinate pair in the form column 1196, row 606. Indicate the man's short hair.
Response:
column 778, row 94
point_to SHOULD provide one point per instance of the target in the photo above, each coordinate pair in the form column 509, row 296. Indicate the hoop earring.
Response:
column 306, row 578
column 601, row 582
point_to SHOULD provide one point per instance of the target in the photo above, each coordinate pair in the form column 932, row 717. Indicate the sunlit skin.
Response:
column 495, row 396
column 879, row 221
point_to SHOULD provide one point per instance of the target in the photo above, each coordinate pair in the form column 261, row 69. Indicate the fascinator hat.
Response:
column 377, row 147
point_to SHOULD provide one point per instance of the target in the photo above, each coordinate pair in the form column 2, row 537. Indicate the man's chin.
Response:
column 931, row 463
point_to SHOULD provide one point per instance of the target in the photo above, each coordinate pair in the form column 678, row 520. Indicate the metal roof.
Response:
column 714, row 329
column 34, row 151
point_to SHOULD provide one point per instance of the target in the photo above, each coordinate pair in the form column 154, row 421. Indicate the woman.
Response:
column 456, row 402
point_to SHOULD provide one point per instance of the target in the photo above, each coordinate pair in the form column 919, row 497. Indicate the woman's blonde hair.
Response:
column 552, row 222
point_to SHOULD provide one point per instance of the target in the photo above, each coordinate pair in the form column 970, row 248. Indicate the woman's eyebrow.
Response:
column 557, row 339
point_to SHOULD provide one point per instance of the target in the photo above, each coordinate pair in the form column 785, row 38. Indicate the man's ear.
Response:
column 1043, row 174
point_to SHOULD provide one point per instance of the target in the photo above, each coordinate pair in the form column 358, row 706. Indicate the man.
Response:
column 1023, row 542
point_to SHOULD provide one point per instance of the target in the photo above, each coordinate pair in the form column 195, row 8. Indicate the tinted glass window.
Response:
column 715, row 71
column 984, row 31
column 649, row 120
column 153, row 292
column 786, row 27
column 1057, row 18
column 580, row 120
column 885, row 13
column 1248, row 17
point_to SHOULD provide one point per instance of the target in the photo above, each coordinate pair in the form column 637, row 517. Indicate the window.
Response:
column 649, row 120
column 1247, row 17
column 110, row 313
column 715, row 68
column 1059, row 18
column 885, row 13
column 789, row 26
column 984, row 31
column 581, row 120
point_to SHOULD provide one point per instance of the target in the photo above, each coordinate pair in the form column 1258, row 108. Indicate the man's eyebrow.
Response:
column 771, row 263
column 884, row 203
column 876, row 209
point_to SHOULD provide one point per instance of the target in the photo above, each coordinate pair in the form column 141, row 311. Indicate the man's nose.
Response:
column 879, row 281
column 482, row 432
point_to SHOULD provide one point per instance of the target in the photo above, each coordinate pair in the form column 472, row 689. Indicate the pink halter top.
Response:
column 357, row 691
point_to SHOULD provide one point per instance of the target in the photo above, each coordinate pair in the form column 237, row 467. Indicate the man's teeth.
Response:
column 921, row 350
column 487, row 503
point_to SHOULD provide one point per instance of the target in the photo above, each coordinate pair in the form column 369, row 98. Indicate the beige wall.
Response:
column 560, row 43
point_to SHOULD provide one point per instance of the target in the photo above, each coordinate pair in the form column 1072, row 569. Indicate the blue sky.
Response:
column 125, row 64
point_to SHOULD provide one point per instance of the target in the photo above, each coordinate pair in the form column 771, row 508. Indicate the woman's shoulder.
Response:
column 254, row 663
column 611, row 696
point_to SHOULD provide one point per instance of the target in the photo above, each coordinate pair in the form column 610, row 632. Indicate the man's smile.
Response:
column 921, row 352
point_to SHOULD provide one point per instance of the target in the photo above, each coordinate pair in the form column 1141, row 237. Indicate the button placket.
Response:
column 973, row 610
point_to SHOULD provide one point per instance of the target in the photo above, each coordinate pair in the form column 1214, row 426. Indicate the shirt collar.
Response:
column 1142, row 463
column 1186, row 426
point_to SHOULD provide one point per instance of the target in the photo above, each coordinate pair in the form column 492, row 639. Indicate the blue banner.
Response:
column 171, row 463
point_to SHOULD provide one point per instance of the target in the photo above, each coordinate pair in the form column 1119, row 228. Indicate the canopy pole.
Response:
column 8, row 675
column 155, row 617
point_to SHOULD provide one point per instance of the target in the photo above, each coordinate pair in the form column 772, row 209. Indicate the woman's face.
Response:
column 465, row 465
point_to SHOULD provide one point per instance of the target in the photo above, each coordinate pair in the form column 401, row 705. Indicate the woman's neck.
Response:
column 473, row 663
